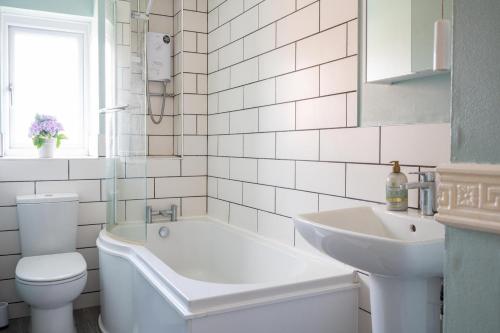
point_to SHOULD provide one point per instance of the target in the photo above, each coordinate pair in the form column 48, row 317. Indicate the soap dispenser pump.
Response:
column 396, row 195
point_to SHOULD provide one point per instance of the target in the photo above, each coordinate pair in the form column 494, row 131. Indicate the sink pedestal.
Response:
column 405, row 305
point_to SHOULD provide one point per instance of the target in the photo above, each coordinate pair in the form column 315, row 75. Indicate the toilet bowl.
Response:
column 51, row 274
column 49, row 284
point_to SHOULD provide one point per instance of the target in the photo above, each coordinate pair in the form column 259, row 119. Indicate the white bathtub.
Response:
column 209, row 277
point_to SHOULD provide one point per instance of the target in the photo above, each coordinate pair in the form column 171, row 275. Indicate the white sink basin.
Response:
column 403, row 252
column 377, row 241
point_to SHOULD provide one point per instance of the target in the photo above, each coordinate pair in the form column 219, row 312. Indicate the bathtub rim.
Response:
column 165, row 278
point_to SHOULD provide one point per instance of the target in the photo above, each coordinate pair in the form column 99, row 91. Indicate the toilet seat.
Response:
column 51, row 268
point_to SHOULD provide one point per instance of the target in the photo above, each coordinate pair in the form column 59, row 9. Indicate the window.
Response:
column 45, row 70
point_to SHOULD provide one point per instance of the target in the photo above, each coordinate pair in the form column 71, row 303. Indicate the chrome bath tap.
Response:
column 427, row 187
column 168, row 213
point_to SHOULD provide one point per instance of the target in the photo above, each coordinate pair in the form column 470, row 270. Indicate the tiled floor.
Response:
column 85, row 320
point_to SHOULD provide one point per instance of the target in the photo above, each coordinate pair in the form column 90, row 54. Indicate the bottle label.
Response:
column 397, row 197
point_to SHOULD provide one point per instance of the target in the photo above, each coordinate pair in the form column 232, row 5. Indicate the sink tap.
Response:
column 169, row 213
column 427, row 187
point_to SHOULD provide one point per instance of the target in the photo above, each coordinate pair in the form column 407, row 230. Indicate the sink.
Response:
column 402, row 251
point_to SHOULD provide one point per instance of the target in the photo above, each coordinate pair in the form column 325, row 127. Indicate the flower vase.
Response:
column 47, row 149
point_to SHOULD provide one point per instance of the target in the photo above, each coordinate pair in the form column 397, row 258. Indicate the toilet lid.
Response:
column 51, row 267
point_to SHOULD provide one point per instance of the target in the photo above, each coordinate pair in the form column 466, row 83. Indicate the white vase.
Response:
column 48, row 149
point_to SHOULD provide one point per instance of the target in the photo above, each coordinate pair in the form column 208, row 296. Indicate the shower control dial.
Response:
column 163, row 232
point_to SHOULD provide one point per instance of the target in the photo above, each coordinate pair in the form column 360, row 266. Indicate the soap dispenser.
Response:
column 396, row 195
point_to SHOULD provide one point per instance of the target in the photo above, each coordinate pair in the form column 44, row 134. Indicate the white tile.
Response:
column 303, row 3
column 218, row 123
column 201, row 125
column 367, row 182
column 218, row 166
column 277, row 62
column 230, row 190
column 213, row 62
column 277, row 172
column 195, row 21
column 218, row 209
column 292, row 203
column 33, row 169
column 278, row 117
column 321, row 177
column 163, row 8
column 339, row 76
column 421, row 144
column 194, row 206
column 189, row 5
column 212, row 145
column 303, row 145
column 8, row 264
column 180, row 187
column 218, row 81
column 335, row 12
column 87, row 235
column 231, row 145
column 160, row 23
column 160, row 145
column 132, row 188
column 298, row 85
column 273, row 10
column 122, row 11
column 8, row 291
column 87, row 190
column 259, row 196
column 261, row 41
column 91, row 256
column 219, row 37
column 213, row 103
column 201, row 5
column 8, row 218
column 327, row 202
column 259, row 93
column 88, row 168
column 213, row 19
column 244, row 121
column 323, row 47
column 352, row 109
column 250, row 3
column 195, row 145
column 214, row 3
column 259, row 145
column 189, row 39
column 230, row 100
column 323, row 112
column 155, row 167
column 229, row 10
column 244, row 169
column 276, row 227
column 352, row 37
column 231, row 54
column 243, row 217
column 245, row 72
column 245, row 24
column 195, row 62
column 194, row 166
column 212, row 187
column 360, row 144
column 92, row 212
column 364, row 322
column 195, row 104
column 9, row 191
column 9, row 242
column 300, row 24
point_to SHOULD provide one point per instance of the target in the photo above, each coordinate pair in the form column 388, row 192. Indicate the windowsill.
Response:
column 51, row 158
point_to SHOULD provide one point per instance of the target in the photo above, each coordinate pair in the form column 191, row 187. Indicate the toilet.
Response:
column 50, row 274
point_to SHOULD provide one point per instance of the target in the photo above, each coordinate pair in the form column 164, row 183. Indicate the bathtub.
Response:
column 210, row 277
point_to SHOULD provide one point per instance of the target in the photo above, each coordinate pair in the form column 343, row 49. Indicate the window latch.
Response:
column 11, row 93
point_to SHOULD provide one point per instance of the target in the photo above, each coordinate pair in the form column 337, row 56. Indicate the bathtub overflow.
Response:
column 163, row 232
column 413, row 228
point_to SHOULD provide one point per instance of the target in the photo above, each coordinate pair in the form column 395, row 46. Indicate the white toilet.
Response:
column 51, row 274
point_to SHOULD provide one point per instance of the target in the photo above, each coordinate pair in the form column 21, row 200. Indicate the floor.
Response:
column 85, row 321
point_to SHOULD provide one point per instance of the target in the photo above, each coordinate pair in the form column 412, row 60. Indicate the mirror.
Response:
column 396, row 81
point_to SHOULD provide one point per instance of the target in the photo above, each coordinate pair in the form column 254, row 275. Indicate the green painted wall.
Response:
column 75, row 7
column 472, row 267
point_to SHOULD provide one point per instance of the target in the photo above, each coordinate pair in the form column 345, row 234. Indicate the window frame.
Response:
column 29, row 19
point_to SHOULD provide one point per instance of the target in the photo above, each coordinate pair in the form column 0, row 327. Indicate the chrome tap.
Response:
column 427, row 187
column 169, row 213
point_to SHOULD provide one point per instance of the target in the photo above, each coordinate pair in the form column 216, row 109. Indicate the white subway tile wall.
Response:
column 282, row 124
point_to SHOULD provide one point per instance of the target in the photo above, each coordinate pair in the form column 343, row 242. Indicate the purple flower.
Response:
column 46, row 126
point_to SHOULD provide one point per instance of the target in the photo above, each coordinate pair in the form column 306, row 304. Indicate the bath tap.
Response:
column 169, row 213
column 427, row 187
